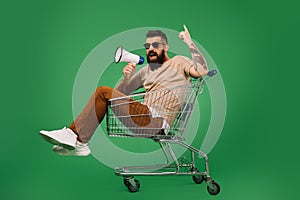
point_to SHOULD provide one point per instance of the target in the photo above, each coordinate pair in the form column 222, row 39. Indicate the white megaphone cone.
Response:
column 122, row 55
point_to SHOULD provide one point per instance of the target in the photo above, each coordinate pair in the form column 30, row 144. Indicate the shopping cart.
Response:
column 181, row 99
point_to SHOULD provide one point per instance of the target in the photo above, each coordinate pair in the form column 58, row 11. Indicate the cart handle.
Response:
column 212, row 73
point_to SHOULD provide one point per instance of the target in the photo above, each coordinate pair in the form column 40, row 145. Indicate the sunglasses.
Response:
column 154, row 45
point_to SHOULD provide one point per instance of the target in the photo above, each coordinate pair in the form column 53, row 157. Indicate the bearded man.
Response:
column 162, row 73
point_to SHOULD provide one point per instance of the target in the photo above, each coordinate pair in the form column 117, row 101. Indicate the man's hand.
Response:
column 129, row 70
column 185, row 36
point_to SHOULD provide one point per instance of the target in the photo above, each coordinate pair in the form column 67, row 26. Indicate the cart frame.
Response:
column 175, row 135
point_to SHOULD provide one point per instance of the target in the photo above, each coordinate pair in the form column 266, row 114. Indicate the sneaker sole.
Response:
column 53, row 141
column 63, row 152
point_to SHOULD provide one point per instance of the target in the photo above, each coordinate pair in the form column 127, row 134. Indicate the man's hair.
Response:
column 155, row 33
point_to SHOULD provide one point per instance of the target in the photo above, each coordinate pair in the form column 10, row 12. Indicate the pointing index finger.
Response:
column 185, row 29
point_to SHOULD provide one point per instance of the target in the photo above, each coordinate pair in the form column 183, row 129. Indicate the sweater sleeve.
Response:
column 127, row 86
column 186, row 64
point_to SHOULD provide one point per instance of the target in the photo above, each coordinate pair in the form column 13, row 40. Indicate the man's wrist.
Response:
column 189, row 43
column 126, row 77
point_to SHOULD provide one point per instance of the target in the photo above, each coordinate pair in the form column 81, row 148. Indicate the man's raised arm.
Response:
column 200, row 66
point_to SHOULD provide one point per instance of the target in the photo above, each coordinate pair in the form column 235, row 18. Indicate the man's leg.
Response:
column 84, row 126
column 93, row 113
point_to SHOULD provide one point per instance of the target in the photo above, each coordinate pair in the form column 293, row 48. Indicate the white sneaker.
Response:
column 64, row 137
column 81, row 149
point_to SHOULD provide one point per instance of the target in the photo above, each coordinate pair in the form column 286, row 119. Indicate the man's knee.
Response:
column 104, row 91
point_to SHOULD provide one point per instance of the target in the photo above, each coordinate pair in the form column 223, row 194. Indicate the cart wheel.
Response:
column 198, row 179
column 215, row 189
column 132, row 188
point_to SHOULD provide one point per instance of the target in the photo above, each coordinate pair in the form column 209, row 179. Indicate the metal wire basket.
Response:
column 169, row 112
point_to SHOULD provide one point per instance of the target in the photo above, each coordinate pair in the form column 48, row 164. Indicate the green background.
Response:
column 254, row 44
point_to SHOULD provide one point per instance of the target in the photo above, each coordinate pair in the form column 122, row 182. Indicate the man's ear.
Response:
column 166, row 47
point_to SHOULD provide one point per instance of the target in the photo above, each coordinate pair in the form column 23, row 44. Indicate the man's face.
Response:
column 156, row 51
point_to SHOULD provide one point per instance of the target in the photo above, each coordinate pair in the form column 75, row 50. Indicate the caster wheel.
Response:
column 132, row 187
column 198, row 179
column 215, row 189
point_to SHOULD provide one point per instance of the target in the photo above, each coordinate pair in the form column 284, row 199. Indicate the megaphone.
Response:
column 122, row 55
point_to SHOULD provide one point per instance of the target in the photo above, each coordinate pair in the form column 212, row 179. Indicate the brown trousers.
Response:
column 94, row 111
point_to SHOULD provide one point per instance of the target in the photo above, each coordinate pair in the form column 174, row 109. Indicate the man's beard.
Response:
column 159, row 58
